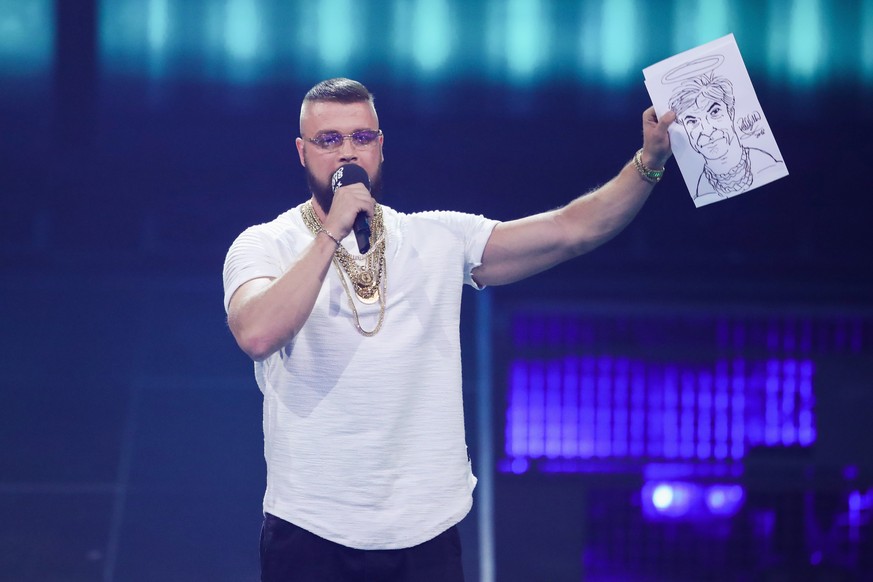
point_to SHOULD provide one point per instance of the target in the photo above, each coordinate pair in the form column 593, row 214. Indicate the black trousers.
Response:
column 291, row 554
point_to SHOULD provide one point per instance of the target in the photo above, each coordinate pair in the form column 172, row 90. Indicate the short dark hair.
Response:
column 339, row 90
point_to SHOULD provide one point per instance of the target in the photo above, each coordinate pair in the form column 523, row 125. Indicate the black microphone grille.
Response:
column 349, row 174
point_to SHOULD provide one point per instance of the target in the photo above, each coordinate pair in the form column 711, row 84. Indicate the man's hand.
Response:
column 347, row 202
column 656, row 140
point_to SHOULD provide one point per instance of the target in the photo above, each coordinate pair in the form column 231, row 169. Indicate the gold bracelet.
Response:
column 648, row 174
column 328, row 233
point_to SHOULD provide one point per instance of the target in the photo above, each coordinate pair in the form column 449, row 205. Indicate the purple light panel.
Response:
column 617, row 408
column 685, row 387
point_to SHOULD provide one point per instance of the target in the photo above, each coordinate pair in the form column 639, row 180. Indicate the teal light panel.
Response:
column 806, row 47
column 867, row 42
column 158, row 25
column 27, row 31
column 695, row 23
column 521, row 43
column 432, row 34
column 242, row 29
column 618, row 39
column 526, row 37
column 336, row 34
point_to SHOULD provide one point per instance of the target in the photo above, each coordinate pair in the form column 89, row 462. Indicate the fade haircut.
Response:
column 340, row 90
column 336, row 90
column 710, row 86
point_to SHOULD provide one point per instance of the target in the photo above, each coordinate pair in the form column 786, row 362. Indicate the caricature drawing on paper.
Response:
column 705, row 107
column 720, row 140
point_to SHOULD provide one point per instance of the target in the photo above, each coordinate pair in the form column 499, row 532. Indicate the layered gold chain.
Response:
column 368, row 273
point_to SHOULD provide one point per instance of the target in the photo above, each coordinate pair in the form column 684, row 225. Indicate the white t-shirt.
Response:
column 364, row 436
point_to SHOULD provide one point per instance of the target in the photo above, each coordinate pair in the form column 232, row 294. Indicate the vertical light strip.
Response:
column 722, row 403
column 711, row 20
column 516, row 418
column 603, row 418
column 771, row 410
column 241, row 29
column 704, row 416
column 495, row 35
column 775, row 28
column 588, row 44
column 805, row 43
column 789, row 403
column 570, row 410
column 157, row 33
column 525, row 37
column 536, row 403
column 553, row 409
column 638, row 411
column 805, row 421
column 401, row 33
column 336, row 34
column 431, row 38
column 866, row 36
column 27, row 36
column 755, row 404
column 671, row 413
column 484, row 352
column 620, row 407
column 655, row 414
column 587, row 400
column 697, row 22
column 687, row 415
column 618, row 38
column 738, row 410
column 157, row 25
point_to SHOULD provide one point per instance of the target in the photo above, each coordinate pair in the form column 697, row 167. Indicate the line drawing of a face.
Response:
column 709, row 126
column 705, row 108
column 727, row 144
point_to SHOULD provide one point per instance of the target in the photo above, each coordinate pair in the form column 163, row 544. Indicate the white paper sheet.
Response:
column 721, row 139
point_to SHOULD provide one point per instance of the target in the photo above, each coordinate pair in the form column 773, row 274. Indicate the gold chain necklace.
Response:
column 734, row 180
column 368, row 273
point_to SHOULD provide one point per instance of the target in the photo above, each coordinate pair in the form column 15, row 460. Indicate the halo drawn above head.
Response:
column 692, row 69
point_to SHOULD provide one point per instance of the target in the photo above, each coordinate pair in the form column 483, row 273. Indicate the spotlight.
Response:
column 682, row 500
column 669, row 499
column 724, row 500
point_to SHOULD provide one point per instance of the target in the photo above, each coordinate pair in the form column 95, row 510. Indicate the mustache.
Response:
column 705, row 140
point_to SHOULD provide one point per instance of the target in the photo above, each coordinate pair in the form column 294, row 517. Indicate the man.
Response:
column 358, row 356
column 705, row 107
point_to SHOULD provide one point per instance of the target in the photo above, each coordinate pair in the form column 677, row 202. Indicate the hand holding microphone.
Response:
column 355, row 174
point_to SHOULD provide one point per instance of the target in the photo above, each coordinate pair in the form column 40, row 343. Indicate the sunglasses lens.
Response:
column 363, row 138
column 329, row 141
column 333, row 140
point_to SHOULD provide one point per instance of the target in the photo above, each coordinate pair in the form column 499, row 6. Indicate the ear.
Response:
column 299, row 143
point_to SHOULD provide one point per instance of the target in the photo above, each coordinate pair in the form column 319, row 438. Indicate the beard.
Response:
column 324, row 193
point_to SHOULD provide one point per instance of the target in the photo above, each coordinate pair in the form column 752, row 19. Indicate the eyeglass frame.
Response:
column 345, row 136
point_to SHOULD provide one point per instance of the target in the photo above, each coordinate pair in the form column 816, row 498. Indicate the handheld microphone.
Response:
column 355, row 174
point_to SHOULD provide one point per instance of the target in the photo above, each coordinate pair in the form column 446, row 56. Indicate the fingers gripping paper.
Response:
column 721, row 139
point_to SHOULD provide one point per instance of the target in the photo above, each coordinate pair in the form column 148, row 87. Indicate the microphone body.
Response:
column 355, row 174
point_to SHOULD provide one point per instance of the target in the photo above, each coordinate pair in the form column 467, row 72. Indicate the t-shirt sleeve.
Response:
column 475, row 230
column 252, row 255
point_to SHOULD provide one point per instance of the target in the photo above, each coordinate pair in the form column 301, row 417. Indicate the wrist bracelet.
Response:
column 329, row 234
column 648, row 174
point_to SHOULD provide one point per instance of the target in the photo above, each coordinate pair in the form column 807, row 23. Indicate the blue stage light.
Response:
column 519, row 42
column 724, row 500
column 687, row 501
column 670, row 500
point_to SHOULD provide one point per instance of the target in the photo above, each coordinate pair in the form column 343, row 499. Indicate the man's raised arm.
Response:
column 521, row 248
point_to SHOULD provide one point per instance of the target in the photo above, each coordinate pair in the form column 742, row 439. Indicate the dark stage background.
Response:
column 723, row 355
